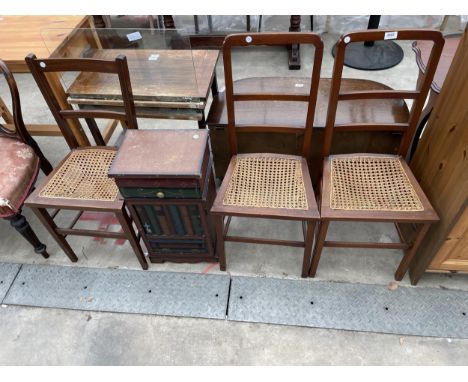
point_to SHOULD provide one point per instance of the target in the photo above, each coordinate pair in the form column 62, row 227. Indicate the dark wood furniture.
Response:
column 176, row 85
column 268, row 185
column 441, row 166
column 294, row 59
column 211, row 40
column 294, row 114
column 80, row 182
column 167, row 180
column 372, row 187
column 21, row 160
column 215, row 40
column 422, row 50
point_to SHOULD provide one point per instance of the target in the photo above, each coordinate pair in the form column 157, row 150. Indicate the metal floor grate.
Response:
column 332, row 305
column 8, row 273
column 124, row 291
column 361, row 307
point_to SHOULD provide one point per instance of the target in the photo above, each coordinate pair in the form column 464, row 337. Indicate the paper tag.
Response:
column 390, row 35
column 153, row 57
column 299, row 85
column 134, row 36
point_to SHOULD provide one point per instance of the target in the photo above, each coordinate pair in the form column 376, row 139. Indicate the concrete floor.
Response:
column 55, row 337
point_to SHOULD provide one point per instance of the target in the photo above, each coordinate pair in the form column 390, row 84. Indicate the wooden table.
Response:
column 21, row 35
column 422, row 50
column 174, row 84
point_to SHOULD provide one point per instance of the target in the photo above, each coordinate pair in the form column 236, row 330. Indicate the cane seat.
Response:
column 371, row 183
column 271, row 181
column 83, row 175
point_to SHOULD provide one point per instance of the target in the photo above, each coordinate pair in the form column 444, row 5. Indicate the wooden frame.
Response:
column 184, row 96
column 420, row 219
column 419, row 96
column 41, row 71
column 293, row 114
column 308, row 216
column 441, row 167
column 16, row 129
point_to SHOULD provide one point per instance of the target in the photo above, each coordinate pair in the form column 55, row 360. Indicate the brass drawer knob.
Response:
column 160, row 195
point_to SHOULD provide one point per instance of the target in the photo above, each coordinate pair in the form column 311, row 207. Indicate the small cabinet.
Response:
column 166, row 178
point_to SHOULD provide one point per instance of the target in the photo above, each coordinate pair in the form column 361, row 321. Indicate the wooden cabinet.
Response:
column 167, row 181
column 453, row 253
column 441, row 166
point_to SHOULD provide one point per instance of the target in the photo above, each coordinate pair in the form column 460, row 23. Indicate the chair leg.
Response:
column 20, row 223
column 202, row 122
column 320, row 241
column 309, row 240
column 49, row 223
column 219, row 224
column 409, row 254
column 126, row 224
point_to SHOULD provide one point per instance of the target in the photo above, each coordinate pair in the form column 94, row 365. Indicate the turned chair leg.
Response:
column 219, row 224
column 20, row 223
column 309, row 240
column 49, row 223
column 320, row 241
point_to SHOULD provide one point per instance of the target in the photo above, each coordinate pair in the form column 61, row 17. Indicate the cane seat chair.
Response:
column 21, row 160
column 265, row 185
column 80, row 181
column 376, row 187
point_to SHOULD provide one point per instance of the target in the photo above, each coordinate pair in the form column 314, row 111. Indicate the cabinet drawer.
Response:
column 161, row 193
column 177, row 246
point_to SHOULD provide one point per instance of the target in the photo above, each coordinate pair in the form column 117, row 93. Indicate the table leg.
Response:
column 210, row 23
column 425, row 114
column 99, row 21
column 169, row 22
column 294, row 53
column 214, row 85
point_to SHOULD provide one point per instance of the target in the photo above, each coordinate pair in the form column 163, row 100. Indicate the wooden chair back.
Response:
column 43, row 71
column 271, row 39
column 418, row 96
column 20, row 132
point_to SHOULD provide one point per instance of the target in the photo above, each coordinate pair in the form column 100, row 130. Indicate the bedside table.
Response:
column 166, row 178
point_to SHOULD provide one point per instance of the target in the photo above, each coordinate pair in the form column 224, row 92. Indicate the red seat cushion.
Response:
column 18, row 170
